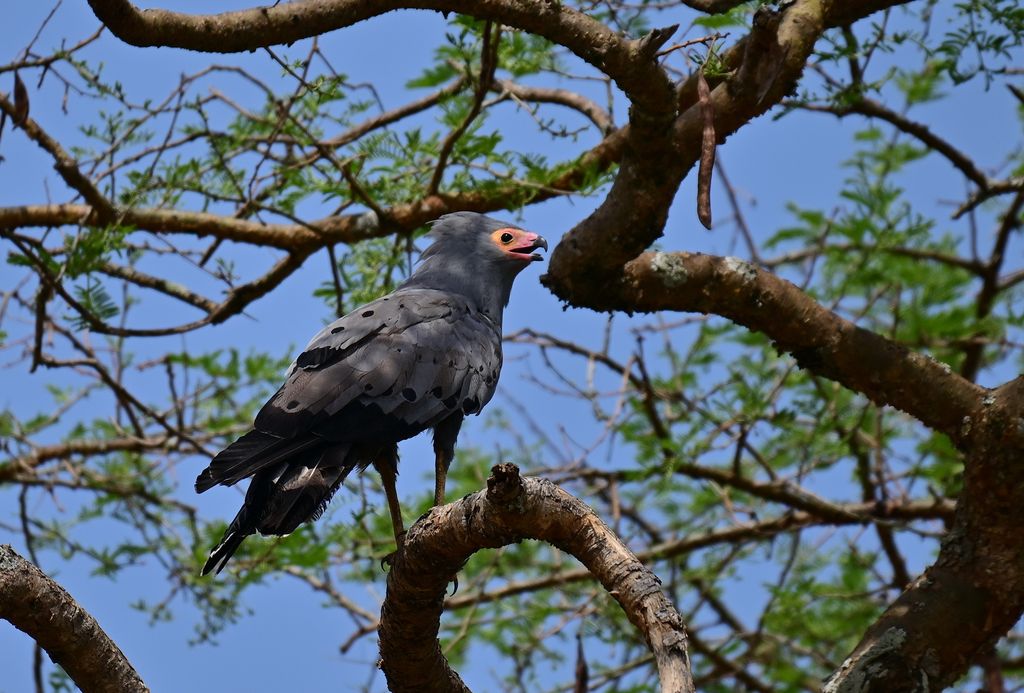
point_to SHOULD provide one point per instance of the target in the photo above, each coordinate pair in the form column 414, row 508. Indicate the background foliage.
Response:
column 782, row 511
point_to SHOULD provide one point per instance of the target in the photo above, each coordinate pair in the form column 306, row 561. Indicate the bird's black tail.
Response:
column 251, row 453
column 282, row 496
column 229, row 543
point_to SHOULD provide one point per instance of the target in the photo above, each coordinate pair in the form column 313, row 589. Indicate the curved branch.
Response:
column 510, row 510
column 38, row 606
column 562, row 97
column 629, row 63
column 763, row 68
column 764, row 64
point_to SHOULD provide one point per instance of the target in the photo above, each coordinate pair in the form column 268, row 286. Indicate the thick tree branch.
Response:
column 633, row 214
column 818, row 339
column 974, row 593
column 627, row 62
column 38, row 606
column 510, row 510
column 764, row 68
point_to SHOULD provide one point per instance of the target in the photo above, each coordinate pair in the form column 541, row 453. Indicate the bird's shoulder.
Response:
column 388, row 318
column 415, row 354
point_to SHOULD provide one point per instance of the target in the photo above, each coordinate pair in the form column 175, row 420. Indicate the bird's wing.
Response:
column 383, row 373
column 416, row 355
column 458, row 361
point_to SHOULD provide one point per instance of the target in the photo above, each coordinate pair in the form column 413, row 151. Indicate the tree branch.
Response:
column 973, row 584
column 38, row 606
column 765, row 65
column 869, row 108
column 10, row 468
column 510, row 510
column 819, row 340
column 64, row 164
column 563, row 97
column 625, row 61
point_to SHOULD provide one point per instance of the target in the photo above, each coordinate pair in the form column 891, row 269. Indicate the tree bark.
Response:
column 38, row 606
column 510, row 510
column 974, row 593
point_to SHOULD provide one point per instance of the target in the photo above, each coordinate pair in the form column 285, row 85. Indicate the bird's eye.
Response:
column 506, row 237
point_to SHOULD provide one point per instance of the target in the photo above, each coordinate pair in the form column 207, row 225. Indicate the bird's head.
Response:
column 483, row 240
column 476, row 256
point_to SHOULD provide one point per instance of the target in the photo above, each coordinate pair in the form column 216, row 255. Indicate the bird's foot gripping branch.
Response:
column 511, row 509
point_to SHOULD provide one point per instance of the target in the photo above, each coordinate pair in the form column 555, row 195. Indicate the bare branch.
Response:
column 870, row 108
column 64, row 164
column 563, row 97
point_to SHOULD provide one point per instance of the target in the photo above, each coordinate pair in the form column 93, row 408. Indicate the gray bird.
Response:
column 422, row 357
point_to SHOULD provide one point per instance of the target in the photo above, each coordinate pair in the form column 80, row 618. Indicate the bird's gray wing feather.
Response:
column 416, row 354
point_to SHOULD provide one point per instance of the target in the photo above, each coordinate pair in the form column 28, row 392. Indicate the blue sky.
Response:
column 288, row 643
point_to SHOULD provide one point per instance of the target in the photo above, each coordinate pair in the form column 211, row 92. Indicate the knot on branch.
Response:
column 511, row 509
column 649, row 45
column 504, row 485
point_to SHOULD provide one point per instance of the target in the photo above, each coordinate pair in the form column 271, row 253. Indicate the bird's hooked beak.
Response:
column 526, row 243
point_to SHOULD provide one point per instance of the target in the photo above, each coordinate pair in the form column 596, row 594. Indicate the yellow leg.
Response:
column 387, row 466
column 445, row 434
column 440, row 477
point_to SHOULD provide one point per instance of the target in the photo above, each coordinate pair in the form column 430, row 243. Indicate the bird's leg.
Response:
column 441, row 464
column 396, row 512
column 445, row 435
column 386, row 465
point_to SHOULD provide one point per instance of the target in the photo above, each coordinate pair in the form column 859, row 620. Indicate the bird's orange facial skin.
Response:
column 518, row 243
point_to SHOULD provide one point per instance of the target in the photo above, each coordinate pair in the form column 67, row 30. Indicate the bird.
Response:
column 422, row 357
